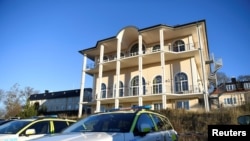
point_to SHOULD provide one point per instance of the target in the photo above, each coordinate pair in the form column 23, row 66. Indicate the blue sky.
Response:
column 40, row 39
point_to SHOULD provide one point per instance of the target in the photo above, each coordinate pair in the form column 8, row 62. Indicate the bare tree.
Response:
column 2, row 113
column 15, row 99
column 25, row 94
column 244, row 78
column 222, row 78
column 1, row 94
column 12, row 101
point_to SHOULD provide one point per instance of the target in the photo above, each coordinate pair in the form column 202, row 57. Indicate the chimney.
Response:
column 233, row 79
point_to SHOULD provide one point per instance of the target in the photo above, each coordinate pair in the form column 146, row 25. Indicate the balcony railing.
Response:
column 90, row 66
column 168, row 48
column 148, row 90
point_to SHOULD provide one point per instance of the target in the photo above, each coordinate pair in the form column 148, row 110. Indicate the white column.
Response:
column 205, row 92
column 82, row 85
column 94, row 91
column 140, row 72
column 164, row 96
column 118, row 63
column 99, row 92
column 193, row 70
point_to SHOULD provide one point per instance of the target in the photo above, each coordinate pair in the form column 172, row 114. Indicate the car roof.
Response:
column 25, row 119
column 133, row 109
column 43, row 118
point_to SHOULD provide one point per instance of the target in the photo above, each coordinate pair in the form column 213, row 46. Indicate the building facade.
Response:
column 231, row 94
column 163, row 66
column 66, row 102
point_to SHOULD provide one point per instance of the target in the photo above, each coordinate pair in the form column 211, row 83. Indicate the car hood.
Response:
column 9, row 137
column 87, row 136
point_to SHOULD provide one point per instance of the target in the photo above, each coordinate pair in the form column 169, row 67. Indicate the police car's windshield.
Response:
column 13, row 127
column 115, row 122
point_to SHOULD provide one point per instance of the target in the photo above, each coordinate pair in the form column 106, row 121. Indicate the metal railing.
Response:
column 168, row 48
column 148, row 90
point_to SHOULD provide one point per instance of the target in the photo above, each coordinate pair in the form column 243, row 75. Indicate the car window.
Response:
column 13, row 127
column 117, row 122
column 167, row 123
column 144, row 119
column 70, row 122
column 41, row 127
column 159, row 122
column 112, row 122
column 59, row 126
column 5, row 121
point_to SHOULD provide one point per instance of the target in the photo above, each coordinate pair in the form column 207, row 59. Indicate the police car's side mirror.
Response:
column 30, row 132
column 244, row 120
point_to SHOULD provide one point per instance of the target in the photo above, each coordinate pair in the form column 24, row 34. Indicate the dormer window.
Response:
column 231, row 87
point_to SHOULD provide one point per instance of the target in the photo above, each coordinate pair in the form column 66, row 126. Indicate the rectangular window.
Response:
column 76, row 106
column 225, row 101
column 183, row 105
column 157, row 88
column 231, row 87
column 234, row 100
column 157, row 106
column 230, row 101
column 62, row 107
column 246, row 85
column 69, row 107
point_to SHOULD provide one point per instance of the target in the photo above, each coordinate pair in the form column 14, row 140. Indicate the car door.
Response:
column 165, row 127
column 143, row 124
column 41, row 129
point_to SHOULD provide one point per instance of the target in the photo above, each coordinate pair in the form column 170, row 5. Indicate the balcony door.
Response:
column 134, row 86
column 181, row 83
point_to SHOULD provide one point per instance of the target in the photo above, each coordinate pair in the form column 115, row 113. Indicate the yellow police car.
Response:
column 27, row 129
column 133, row 124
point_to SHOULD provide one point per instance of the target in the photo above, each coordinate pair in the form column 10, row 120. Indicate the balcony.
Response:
column 149, row 56
column 152, row 91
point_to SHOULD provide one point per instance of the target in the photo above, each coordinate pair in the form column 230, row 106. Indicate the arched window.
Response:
column 103, row 90
column 178, row 46
column 134, row 86
column 157, row 85
column 121, row 89
column 181, row 82
column 156, row 48
column 135, row 50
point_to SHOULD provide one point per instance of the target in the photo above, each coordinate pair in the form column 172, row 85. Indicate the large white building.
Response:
column 163, row 66
column 65, row 102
